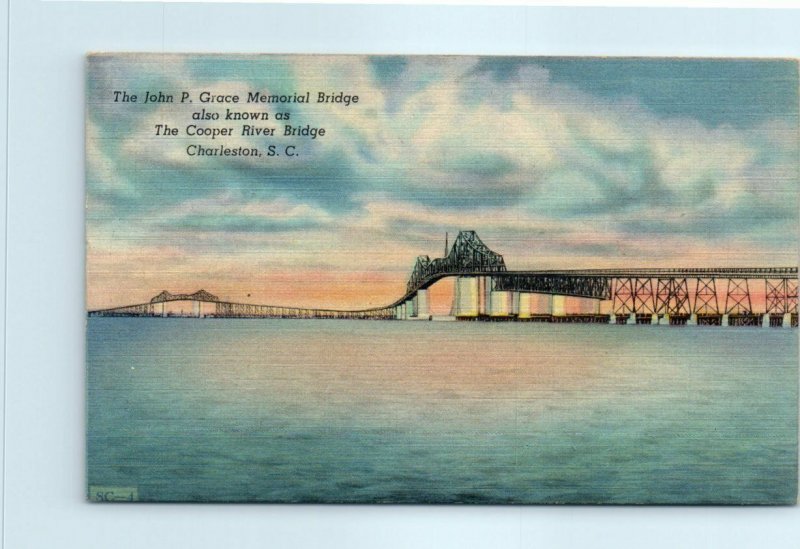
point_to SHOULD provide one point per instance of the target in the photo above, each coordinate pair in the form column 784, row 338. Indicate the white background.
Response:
column 43, row 475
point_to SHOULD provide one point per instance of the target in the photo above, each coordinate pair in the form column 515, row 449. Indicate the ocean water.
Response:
column 441, row 412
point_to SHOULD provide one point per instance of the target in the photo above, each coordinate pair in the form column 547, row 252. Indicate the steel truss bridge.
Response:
column 485, row 288
column 204, row 304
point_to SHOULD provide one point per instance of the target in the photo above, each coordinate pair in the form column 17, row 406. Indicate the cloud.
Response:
column 232, row 213
column 556, row 172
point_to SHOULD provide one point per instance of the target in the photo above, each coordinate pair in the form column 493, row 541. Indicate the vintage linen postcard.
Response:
column 441, row 279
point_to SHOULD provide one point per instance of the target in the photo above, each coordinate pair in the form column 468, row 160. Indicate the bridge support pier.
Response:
column 787, row 320
column 724, row 321
column 501, row 304
column 631, row 319
column 409, row 306
column 692, row 320
column 485, row 297
column 654, row 319
column 467, row 298
column 765, row 321
column 163, row 309
column 558, row 305
column 524, row 308
column 423, row 305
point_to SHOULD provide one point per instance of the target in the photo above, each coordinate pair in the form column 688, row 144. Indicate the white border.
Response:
column 725, row 4
column 44, row 481
column 4, row 166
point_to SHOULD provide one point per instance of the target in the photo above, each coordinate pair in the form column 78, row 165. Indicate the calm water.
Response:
column 358, row 411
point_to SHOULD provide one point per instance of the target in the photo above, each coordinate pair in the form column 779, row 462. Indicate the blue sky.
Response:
column 556, row 162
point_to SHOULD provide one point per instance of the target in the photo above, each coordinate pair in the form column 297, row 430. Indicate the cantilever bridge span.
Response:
column 204, row 304
column 486, row 289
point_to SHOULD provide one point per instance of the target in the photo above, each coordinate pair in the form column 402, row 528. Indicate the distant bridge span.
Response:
column 198, row 307
column 485, row 288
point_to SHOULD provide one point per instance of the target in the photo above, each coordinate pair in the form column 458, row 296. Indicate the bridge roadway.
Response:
column 598, row 281
column 204, row 304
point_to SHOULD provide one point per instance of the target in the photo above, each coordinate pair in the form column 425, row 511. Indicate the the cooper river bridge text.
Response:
column 486, row 290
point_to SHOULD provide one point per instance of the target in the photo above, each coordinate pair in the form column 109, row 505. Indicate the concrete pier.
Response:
column 423, row 308
column 558, row 305
column 524, row 310
column 467, row 297
column 765, row 322
column 725, row 320
column 692, row 320
column 409, row 306
column 787, row 320
column 501, row 304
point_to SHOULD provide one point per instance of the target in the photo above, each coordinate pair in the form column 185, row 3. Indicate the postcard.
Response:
column 441, row 279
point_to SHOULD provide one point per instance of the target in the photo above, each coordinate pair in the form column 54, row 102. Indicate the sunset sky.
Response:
column 555, row 162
